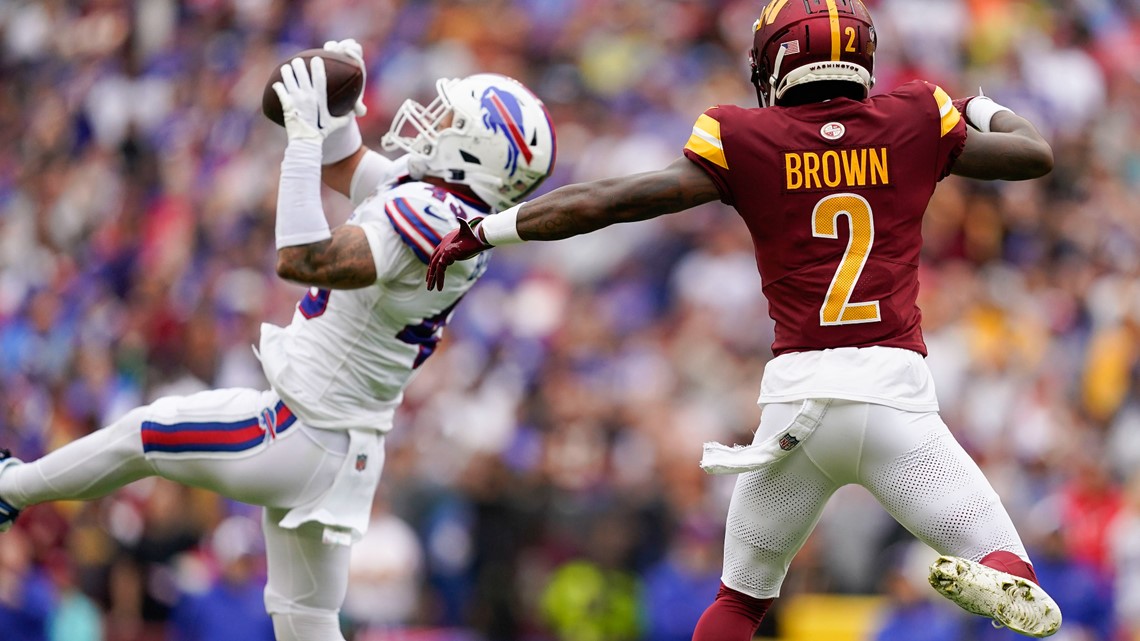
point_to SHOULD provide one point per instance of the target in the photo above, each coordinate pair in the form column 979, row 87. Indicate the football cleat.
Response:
column 8, row 512
column 1011, row 601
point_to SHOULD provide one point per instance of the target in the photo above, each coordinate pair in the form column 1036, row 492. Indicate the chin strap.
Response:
column 755, row 77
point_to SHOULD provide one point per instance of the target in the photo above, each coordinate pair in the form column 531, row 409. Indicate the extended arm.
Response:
column 579, row 209
column 586, row 207
column 1005, row 146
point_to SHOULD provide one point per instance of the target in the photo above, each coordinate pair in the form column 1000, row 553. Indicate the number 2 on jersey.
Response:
column 426, row 335
column 837, row 307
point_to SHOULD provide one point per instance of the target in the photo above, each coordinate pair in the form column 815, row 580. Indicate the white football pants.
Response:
column 909, row 461
column 243, row 444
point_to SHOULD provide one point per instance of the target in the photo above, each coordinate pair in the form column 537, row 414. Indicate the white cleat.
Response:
column 1011, row 601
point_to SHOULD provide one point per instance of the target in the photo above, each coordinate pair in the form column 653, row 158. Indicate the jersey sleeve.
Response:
column 952, row 130
column 388, row 250
column 705, row 147
column 402, row 230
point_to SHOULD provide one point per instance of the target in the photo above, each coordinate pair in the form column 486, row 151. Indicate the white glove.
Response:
column 351, row 48
column 305, row 103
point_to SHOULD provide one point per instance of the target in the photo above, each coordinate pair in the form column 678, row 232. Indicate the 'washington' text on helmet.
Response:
column 802, row 41
column 486, row 131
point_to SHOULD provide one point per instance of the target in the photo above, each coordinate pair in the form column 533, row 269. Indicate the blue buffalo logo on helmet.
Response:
column 486, row 131
column 502, row 113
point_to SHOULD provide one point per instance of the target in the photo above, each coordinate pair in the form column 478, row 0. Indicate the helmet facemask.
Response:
column 485, row 131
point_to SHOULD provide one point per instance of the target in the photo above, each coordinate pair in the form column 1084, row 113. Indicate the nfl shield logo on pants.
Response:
column 787, row 442
column 361, row 462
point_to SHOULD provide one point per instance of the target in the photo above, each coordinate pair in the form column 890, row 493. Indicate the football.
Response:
column 345, row 82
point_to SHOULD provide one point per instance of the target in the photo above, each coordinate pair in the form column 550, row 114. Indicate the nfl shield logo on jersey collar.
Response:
column 833, row 130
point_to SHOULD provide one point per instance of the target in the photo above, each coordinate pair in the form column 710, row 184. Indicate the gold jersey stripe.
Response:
column 946, row 110
column 833, row 15
column 705, row 141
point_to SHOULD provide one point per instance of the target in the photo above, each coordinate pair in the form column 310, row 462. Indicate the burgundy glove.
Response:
column 460, row 244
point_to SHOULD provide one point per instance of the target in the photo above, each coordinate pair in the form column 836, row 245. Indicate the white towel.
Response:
column 346, row 507
column 722, row 459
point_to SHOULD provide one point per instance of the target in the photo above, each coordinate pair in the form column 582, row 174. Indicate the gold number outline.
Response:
column 837, row 308
column 850, row 32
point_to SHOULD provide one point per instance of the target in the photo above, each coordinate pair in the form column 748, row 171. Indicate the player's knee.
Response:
column 310, row 625
column 132, row 421
column 749, row 606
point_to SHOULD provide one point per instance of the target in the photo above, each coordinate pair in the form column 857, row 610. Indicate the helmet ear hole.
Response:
column 471, row 158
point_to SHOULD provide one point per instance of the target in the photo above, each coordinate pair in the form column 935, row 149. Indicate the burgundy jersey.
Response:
column 833, row 194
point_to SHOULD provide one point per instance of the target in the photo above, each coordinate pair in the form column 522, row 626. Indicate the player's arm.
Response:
column 586, row 207
column 342, row 261
column 1002, row 146
column 307, row 251
column 338, row 174
column 579, row 209
column 357, row 174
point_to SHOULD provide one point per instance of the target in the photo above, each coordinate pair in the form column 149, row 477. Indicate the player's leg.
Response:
column 771, row 514
column 306, row 583
column 218, row 440
column 922, row 476
column 284, row 465
column 86, row 468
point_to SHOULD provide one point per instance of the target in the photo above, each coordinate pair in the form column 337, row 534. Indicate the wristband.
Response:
column 341, row 143
column 500, row 228
column 300, row 217
column 980, row 111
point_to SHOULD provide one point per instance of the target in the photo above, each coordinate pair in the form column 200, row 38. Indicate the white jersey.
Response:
column 347, row 356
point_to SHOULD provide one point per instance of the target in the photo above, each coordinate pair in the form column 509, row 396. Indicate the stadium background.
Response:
column 542, row 481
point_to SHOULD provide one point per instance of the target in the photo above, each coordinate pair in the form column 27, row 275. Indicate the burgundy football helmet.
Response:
column 801, row 41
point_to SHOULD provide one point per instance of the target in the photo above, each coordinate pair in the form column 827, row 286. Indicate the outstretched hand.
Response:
column 459, row 244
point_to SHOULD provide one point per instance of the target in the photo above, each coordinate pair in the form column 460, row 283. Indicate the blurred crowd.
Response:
column 542, row 481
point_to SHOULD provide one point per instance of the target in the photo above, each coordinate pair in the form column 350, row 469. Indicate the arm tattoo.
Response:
column 342, row 262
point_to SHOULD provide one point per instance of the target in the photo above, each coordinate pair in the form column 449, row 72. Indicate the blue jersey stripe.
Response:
column 420, row 254
column 412, row 216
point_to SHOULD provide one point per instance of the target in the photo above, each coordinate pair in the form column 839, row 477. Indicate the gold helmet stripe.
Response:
column 768, row 15
column 833, row 15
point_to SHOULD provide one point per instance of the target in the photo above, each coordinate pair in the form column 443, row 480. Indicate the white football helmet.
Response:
column 486, row 131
